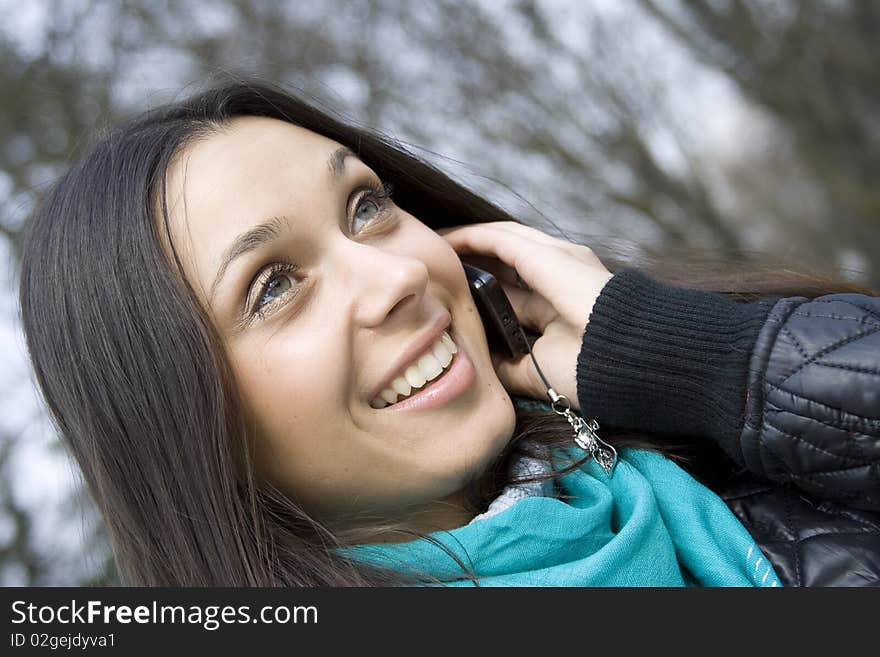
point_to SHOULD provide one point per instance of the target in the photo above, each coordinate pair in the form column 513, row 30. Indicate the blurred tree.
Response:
column 585, row 108
column 49, row 103
column 813, row 66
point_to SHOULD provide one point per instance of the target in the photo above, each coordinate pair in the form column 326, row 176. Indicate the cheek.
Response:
column 273, row 382
column 288, row 394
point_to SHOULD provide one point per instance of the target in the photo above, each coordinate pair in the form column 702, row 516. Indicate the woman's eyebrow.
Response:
column 270, row 229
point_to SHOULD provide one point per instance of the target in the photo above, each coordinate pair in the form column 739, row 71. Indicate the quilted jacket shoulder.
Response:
column 783, row 397
column 813, row 403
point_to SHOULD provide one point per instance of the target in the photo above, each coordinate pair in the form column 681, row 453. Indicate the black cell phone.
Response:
column 503, row 332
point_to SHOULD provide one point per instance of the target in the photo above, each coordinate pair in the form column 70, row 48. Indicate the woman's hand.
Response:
column 552, row 285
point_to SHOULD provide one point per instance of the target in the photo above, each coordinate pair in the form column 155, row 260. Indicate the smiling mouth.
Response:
column 420, row 374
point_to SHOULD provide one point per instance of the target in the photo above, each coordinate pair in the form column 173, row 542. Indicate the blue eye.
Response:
column 275, row 288
column 274, row 283
column 377, row 198
column 366, row 206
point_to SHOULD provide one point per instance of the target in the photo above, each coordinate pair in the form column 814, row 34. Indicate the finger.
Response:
column 529, row 232
column 532, row 310
column 576, row 250
column 542, row 266
column 509, row 225
column 502, row 272
column 524, row 230
column 494, row 266
column 518, row 376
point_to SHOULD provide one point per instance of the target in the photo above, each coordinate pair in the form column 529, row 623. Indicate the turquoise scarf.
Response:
column 647, row 524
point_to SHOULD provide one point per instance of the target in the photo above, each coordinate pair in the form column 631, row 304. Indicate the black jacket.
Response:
column 783, row 392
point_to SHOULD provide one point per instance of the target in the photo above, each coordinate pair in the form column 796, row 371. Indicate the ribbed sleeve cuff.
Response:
column 668, row 360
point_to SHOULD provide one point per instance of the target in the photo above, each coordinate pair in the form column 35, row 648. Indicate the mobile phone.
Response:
column 503, row 332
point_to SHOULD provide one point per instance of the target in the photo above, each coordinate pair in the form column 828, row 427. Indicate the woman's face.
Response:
column 324, row 296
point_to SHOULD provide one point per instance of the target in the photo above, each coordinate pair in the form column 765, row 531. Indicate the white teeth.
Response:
column 427, row 368
column 414, row 376
column 442, row 354
column 430, row 366
column 448, row 342
column 401, row 386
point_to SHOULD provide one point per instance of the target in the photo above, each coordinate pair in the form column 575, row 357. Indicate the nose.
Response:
column 382, row 284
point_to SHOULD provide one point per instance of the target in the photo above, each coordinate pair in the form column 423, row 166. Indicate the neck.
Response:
column 441, row 515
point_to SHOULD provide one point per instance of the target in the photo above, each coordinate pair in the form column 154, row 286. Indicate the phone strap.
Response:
column 585, row 435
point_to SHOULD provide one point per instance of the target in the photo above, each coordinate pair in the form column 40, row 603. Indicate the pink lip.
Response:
column 416, row 349
column 443, row 389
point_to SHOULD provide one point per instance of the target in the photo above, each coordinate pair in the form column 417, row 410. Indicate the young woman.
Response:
column 271, row 372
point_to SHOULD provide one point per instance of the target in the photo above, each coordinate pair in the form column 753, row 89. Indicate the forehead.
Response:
column 251, row 169
column 249, row 154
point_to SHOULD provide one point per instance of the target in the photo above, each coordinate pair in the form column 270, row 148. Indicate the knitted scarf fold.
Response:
column 647, row 524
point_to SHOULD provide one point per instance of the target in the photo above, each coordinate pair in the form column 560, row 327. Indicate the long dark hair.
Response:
column 136, row 378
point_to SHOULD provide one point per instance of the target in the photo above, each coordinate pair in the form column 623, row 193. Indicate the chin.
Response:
column 499, row 435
